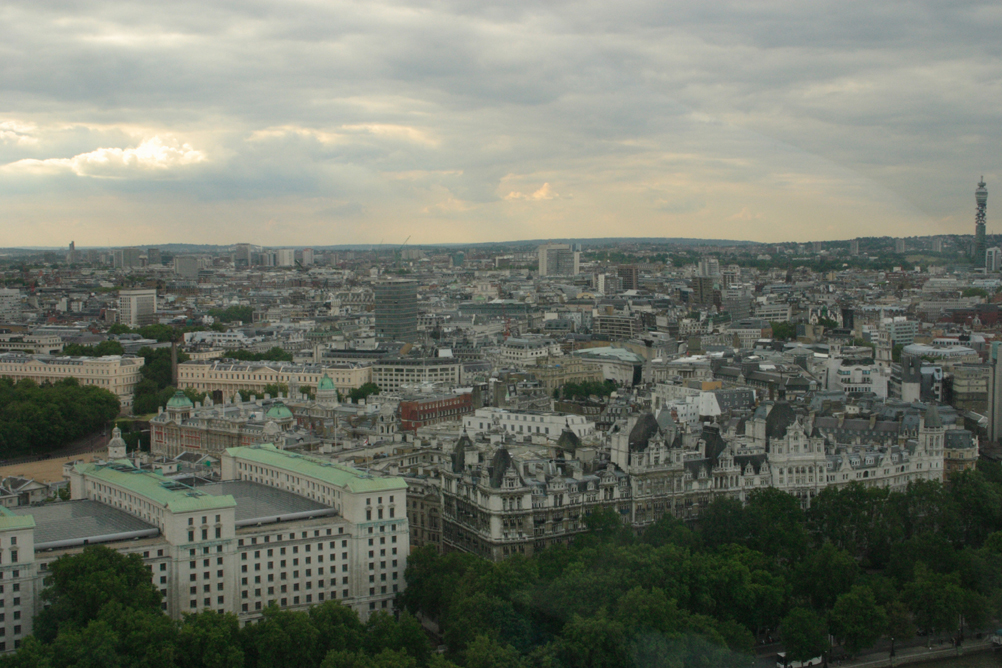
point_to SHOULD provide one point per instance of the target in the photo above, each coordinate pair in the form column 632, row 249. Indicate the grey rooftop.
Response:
column 257, row 503
column 81, row 522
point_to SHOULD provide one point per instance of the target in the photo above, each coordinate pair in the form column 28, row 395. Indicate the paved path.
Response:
column 51, row 469
column 910, row 651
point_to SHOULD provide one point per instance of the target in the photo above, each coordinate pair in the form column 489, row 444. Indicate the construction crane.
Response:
column 399, row 251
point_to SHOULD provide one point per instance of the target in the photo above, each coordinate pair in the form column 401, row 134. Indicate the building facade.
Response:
column 38, row 344
column 524, row 424
column 278, row 528
column 137, row 307
column 116, row 373
column 229, row 377
column 524, row 352
column 396, row 310
column 427, row 410
column 496, row 504
column 393, row 374
column 554, row 372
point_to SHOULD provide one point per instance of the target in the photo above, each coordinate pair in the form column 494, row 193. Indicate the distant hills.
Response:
column 176, row 248
column 179, row 248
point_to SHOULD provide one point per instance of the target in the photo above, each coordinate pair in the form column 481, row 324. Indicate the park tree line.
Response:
column 35, row 419
column 102, row 611
column 861, row 564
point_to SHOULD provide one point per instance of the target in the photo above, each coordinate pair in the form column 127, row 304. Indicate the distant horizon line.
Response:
column 688, row 241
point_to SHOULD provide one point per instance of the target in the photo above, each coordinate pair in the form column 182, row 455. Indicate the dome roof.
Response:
column 326, row 383
column 278, row 411
column 180, row 400
column 116, row 439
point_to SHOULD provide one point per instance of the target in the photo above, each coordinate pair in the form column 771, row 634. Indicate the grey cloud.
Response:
column 895, row 104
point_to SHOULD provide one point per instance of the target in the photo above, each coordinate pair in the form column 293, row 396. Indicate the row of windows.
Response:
column 292, row 536
column 295, row 601
column 270, row 552
column 295, row 562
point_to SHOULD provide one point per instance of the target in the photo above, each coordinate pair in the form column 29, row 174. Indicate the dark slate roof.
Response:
column 694, row 466
column 932, row 419
column 459, row 454
column 714, row 442
column 958, row 438
column 756, row 461
column 568, row 439
column 499, row 466
column 780, row 417
column 642, row 432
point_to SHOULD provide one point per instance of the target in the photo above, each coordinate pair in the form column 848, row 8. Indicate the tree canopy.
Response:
column 35, row 419
column 233, row 314
column 363, row 392
column 587, row 388
column 783, row 331
column 103, row 611
column 109, row 347
column 861, row 563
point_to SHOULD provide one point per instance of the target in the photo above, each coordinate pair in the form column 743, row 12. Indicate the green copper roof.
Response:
column 179, row 400
column 278, row 411
column 9, row 520
column 326, row 383
column 339, row 475
column 162, row 491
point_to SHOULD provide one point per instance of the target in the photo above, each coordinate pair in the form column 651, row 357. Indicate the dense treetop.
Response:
column 35, row 419
column 861, row 563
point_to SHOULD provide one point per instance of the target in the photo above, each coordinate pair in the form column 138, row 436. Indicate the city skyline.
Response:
column 298, row 125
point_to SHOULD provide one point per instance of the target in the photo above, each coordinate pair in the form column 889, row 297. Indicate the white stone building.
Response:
column 526, row 423
column 279, row 528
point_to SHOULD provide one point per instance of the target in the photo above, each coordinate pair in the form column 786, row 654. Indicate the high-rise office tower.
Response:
column 396, row 310
column 186, row 266
column 558, row 260
column 993, row 259
column 286, row 257
column 242, row 255
column 702, row 290
column 994, row 393
column 126, row 258
column 709, row 266
column 629, row 275
column 137, row 307
column 981, row 198
column 153, row 258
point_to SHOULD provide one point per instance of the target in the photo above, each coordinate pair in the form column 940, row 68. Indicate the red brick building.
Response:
column 416, row 413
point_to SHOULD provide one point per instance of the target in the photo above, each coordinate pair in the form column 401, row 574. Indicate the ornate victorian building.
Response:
column 503, row 500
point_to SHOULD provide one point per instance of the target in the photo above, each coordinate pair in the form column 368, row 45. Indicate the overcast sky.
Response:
column 319, row 122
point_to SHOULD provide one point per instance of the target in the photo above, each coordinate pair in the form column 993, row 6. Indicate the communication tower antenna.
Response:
column 981, row 198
